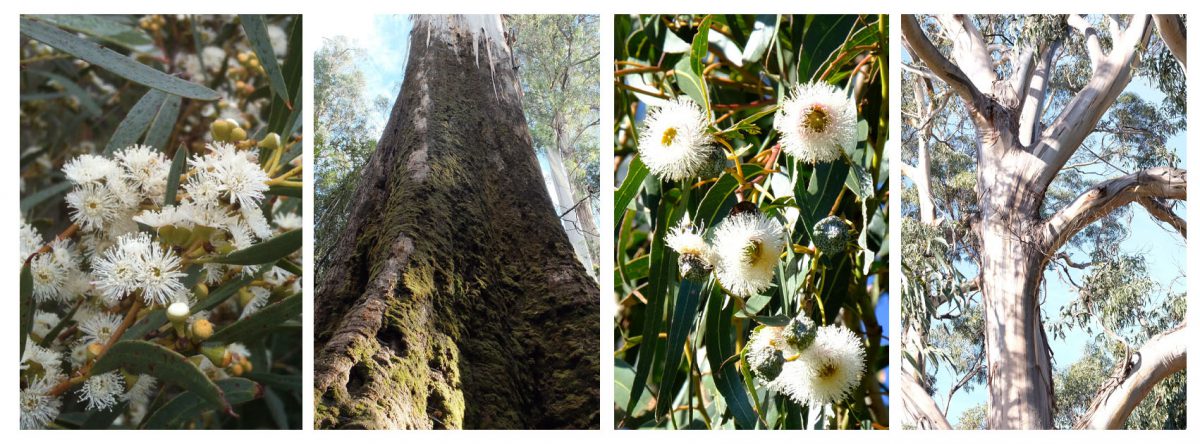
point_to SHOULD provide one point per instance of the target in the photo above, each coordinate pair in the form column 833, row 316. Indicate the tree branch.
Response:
column 1079, row 117
column 1163, row 355
column 1161, row 212
column 1171, row 30
column 970, row 51
column 1034, row 93
column 1104, row 197
column 918, row 405
column 937, row 63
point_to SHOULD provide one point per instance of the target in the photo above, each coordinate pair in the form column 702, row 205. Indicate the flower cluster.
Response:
column 811, row 365
column 744, row 251
column 128, row 246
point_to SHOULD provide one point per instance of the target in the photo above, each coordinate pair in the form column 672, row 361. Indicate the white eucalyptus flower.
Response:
column 102, row 391
column 99, row 327
column 674, row 143
column 43, row 322
column 827, row 372
column 747, row 247
column 696, row 258
column 94, row 206
column 146, row 169
column 91, row 169
column 817, row 121
column 160, row 276
column 38, row 407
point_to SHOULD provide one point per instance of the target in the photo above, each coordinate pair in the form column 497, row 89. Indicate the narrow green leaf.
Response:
column 269, row 250
column 289, row 266
column 285, row 191
column 120, row 65
column 164, row 122
column 821, row 39
column 699, row 48
column 258, row 324
column 131, row 129
column 85, row 100
column 27, row 305
column 186, row 406
column 177, row 166
column 816, row 197
column 692, row 84
column 289, row 383
column 684, row 316
column 662, row 273
column 102, row 27
column 718, row 338
column 256, row 33
column 164, row 364
column 630, row 187
column 720, row 197
column 44, row 194
column 761, row 38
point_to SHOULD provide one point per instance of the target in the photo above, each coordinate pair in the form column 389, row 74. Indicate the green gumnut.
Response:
column 831, row 235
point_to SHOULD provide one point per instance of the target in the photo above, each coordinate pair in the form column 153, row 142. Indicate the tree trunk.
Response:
column 453, row 298
column 567, row 207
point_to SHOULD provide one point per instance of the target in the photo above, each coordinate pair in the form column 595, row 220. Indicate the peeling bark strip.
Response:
column 453, row 299
column 1017, row 161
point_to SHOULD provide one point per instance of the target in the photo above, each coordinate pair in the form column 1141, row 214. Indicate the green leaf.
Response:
column 256, row 32
column 131, row 129
column 630, row 187
column 290, row 267
column 700, row 45
column 761, row 38
column 279, row 190
column 720, row 197
column 269, row 250
column 176, row 412
column 62, row 324
column 686, row 302
column 692, row 84
column 85, row 100
column 662, row 272
column 164, row 122
column 290, row 383
column 102, row 27
column 821, row 39
column 28, row 305
column 164, row 364
column 44, row 194
column 623, row 376
column 718, row 338
column 118, row 64
column 176, row 172
column 817, row 197
column 259, row 323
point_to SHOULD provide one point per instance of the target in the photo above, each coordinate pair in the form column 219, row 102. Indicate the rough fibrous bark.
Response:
column 453, row 298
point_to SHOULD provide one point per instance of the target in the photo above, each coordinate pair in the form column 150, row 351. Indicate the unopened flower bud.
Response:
column 831, row 235
column 202, row 329
column 178, row 313
column 271, row 141
column 800, row 332
column 217, row 354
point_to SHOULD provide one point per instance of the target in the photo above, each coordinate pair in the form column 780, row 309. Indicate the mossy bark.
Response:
column 453, row 299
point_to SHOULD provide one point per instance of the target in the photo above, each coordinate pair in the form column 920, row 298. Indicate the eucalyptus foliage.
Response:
column 683, row 332
column 163, row 290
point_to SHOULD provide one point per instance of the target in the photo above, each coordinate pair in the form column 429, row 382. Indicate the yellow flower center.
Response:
column 816, row 119
column 668, row 136
column 826, row 371
column 753, row 251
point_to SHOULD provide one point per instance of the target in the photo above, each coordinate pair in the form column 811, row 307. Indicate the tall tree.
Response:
column 558, row 59
column 452, row 297
column 1033, row 91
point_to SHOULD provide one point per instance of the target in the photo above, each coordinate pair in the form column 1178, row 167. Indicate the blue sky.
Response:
column 1166, row 258
column 383, row 40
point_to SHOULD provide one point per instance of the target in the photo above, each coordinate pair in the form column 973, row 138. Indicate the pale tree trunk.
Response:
column 1015, row 167
column 453, row 297
column 567, row 208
